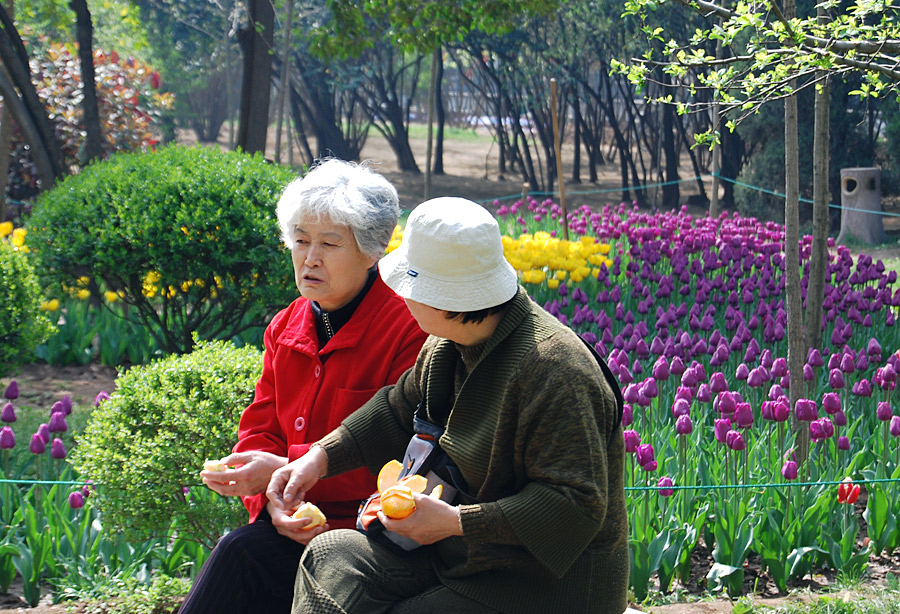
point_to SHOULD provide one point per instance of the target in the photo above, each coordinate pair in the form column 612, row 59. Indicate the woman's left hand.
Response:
column 250, row 478
column 432, row 521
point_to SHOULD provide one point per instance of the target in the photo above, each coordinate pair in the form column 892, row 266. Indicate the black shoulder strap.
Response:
column 611, row 380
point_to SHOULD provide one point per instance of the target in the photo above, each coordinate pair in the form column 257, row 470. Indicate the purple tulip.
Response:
column 58, row 422
column 814, row 358
column 789, row 470
column 775, row 392
column 661, row 369
column 808, row 373
column 781, row 410
column 7, row 438
column 37, row 444
column 779, row 367
column 67, row 404
column 756, row 378
column 44, row 432
column 645, row 457
column 821, row 429
column 806, row 410
column 735, row 441
column 834, row 361
column 12, row 391
column 85, row 491
column 703, row 393
column 843, row 443
column 743, row 415
column 831, row 402
column 57, row 408
column 726, row 403
column 742, row 372
column 632, row 440
column 888, row 376
column 884, row 411
column 722, row 427
column 101, row 396
column 836, row 379
column 847, row 365
column 631, row 393
column 689, row 378
column 627, row 415
column 649, row 388
column 680, row 408
column 862, row 388
column 57, row 449
column 717, row 382
column 76, row 499
column 664, row 482
column 8, row 414
column 676, row 366
column 683, row 425
column 895, row 426
column 765, row 359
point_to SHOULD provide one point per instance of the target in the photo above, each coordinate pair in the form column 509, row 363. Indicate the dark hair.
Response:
column 477, row 317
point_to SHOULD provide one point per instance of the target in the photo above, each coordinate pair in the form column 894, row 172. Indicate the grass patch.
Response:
column 451, row 133
column 846, row 602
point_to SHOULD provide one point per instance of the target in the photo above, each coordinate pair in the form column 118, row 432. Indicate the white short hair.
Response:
column 345, row 194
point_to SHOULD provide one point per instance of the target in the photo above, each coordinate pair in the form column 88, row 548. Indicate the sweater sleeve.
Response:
column 566, row 413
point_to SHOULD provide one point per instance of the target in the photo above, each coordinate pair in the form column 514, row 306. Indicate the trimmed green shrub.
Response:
column 187, row 235
column 22, row 323
column 145, row 445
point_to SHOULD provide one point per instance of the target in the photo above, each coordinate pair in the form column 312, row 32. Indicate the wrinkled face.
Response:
column 329, row 268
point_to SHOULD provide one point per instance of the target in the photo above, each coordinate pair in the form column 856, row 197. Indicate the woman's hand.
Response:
column 293, row 528
column 251, row 476
column 289, row 485
column 432, row 521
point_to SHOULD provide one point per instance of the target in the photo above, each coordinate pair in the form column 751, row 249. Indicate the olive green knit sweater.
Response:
column 533, row 431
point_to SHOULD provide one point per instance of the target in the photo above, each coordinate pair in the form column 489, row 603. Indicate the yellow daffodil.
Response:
column 18, row 237
column 51, row 305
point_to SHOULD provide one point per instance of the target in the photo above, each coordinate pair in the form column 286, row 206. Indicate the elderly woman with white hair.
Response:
column 329, row 351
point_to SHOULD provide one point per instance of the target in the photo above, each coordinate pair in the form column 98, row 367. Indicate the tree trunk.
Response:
column 671, row 191
column 5, row 135
column 93, row 140
column 284, row 80
column 27, row 109
column 256, row 42
column 796, row 336
column 440, row 118
column 819, row 259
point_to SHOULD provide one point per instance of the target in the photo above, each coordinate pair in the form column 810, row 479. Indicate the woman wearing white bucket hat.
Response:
column 529, row 424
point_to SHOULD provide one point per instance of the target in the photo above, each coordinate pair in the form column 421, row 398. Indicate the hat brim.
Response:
column 460, row 294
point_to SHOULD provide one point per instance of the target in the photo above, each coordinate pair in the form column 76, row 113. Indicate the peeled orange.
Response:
column 309, row 510
column 214, row 465
column 397, row 502
column 388, row 475
column 437, row 491
column 415, row 482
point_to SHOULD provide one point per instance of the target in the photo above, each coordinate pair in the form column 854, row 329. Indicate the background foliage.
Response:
column 22, row 325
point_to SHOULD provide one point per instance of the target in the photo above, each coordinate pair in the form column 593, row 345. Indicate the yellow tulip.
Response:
column 83, row 295
column 553, row 283
column 5, row 229
column 111, row 297
column 51, row 305
column 560, row 275
column 18, row 237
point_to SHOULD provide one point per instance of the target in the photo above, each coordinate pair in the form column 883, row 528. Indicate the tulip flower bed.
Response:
column 47, row 532
column 690, row 313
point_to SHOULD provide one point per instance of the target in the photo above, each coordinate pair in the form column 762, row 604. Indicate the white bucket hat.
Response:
column 451, row 258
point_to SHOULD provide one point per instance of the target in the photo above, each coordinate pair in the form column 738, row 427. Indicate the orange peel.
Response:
column 415, row 482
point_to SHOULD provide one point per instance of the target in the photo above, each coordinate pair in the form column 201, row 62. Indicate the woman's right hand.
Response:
column 289, row 485
column 293, row 528
column 250, row 478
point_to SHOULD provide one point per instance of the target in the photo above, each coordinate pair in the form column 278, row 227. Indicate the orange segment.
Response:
column 309, row 510
column 397, row 502
column 415, row 482
column 388, row 475
column 438, row 491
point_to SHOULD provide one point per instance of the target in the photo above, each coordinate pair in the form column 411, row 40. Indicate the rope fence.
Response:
column 710, row 487
column 651, row 186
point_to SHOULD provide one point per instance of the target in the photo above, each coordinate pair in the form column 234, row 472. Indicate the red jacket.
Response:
column 304, row 393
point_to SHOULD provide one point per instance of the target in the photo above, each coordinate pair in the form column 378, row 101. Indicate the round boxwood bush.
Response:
column 145, row 445
column 187, row 235
column 22, row 323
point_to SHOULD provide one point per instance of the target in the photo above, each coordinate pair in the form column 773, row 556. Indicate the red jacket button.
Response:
column 300, row 423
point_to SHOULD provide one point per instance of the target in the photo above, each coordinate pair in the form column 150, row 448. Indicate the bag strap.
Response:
column 613, row 383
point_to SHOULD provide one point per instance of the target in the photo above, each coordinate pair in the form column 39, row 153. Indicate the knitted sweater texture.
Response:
column 533, row 431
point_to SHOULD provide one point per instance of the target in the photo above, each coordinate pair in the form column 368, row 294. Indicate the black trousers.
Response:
column 250, row 571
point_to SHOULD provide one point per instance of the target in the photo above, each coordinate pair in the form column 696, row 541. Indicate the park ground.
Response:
column 470, row 163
